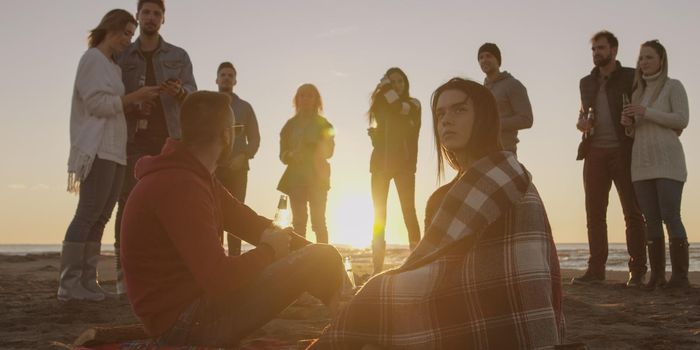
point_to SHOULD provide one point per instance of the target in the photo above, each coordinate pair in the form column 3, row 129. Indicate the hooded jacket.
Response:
column 514, row 108
column 171, row 238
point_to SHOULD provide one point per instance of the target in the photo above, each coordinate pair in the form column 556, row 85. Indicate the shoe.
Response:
column 656, row 249
column 635, row 280
column 679, row 264
column 378, row 251
column 589, row 277
column 70, row 286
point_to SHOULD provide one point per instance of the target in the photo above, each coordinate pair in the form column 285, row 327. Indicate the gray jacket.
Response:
column 169, row 61
column 513, row 107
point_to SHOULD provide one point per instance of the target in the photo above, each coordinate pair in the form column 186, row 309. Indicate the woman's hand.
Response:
column 626, row 120
column 634, row 110
column 143, row 94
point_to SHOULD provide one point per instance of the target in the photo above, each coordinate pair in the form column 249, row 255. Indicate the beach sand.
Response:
column 606, row 316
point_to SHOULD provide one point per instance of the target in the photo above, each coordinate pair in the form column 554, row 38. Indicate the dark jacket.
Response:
column 305, row 145
column 620, row 82
column 249, row 141
column 171, row 238
column 395, row 139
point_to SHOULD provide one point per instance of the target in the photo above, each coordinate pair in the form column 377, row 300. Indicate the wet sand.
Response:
column 607, row 316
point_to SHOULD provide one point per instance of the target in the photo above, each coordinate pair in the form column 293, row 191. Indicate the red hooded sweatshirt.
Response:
column 171, row 231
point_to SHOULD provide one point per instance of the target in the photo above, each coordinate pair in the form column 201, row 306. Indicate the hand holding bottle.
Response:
column 278, row 239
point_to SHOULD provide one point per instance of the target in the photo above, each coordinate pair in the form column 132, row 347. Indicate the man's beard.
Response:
column 602, row 61
column 146, row 30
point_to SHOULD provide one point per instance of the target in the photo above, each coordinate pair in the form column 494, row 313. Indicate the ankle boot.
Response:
column 70, row 286
column 679, row 264
column 656, row 249
column 121, row 282
column 91, row 258
column 378, row 251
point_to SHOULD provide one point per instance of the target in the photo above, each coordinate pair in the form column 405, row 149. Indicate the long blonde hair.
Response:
column 317, row 95
column 640, row 84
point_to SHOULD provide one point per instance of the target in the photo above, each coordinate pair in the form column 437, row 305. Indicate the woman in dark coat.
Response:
column 306, row 144
column 394, row 125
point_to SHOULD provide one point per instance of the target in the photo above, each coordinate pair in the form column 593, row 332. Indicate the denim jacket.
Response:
column 169, row 61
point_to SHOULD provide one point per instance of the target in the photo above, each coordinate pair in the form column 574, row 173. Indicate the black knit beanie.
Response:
column 492, row 49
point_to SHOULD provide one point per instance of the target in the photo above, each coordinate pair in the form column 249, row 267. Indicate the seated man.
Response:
column 180, row 282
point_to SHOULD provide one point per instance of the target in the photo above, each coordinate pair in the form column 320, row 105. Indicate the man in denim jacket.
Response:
column 151, row 61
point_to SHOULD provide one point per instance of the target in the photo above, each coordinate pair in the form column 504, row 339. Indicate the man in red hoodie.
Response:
column 180, row 282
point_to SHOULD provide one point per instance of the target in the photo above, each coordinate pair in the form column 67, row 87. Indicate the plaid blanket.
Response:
column 485, row 276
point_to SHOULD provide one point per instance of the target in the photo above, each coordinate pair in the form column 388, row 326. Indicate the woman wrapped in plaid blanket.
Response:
column 486, row 274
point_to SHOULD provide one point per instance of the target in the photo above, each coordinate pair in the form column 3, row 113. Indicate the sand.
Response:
column 607, row 316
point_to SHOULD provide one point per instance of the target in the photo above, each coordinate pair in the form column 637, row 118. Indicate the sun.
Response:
column 350, row 218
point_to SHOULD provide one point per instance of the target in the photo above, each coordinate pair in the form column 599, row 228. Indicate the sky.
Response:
column 343, row 47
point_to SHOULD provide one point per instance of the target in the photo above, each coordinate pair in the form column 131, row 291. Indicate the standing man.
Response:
column 233, row 173
column 514, row 107
column 151, row 61
column 606, row 151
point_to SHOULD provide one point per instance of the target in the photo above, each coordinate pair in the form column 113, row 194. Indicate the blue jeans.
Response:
column 223, row 321
column 660, row 200
column 98, row 194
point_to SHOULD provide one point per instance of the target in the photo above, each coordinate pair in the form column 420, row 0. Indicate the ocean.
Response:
column 571, row 255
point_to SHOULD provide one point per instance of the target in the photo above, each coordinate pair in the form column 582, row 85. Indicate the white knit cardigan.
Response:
column 97, row 122
column 657, row 151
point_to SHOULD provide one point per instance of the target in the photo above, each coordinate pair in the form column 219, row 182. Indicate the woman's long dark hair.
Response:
column 373, row 99
column 486, row 136
column 114, row 20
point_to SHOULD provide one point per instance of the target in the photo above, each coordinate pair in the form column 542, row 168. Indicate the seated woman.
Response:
column 486, row 274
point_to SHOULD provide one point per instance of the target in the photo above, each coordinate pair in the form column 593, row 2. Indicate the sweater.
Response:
column 514, row 108
column 657, row 151
column 171, row 233
column 97, row 122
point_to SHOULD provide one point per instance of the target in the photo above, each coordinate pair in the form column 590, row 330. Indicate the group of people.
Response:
column 484, row 275
column 631, row 120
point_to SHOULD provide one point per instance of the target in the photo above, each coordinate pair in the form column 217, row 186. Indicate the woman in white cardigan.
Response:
column 656, row 118
column 97, row 153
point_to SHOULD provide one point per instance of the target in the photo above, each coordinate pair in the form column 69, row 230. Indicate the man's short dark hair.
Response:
column 612, row 40
column 160, row 4
column 226, row 64
column 204, row 115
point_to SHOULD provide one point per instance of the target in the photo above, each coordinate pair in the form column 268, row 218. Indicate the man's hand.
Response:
column 172, row 87
column 278, row 239
column 583, row 125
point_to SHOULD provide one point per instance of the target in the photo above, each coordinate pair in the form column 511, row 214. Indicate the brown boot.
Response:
column 656, row 249
column 679, row 264
column 378, row 251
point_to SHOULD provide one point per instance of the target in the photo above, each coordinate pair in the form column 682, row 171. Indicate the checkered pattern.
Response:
column 485, row 276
